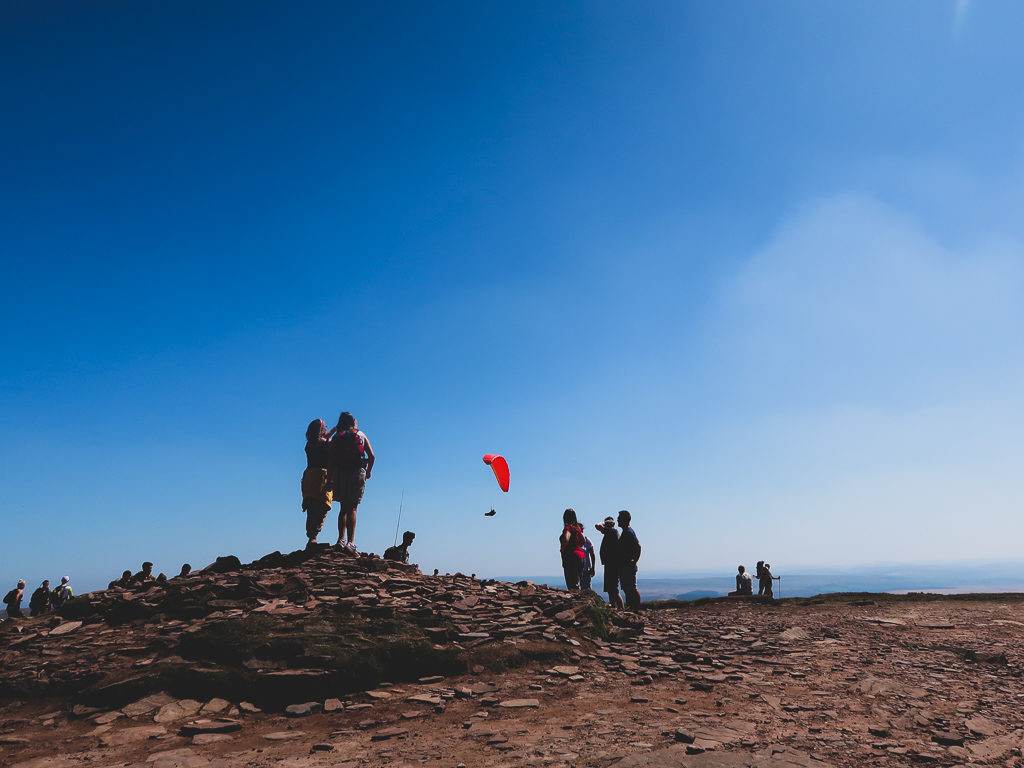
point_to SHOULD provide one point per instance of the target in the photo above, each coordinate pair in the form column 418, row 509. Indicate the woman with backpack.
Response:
column 571, row 544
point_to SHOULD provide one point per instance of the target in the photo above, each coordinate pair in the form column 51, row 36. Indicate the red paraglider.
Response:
column 500, row 468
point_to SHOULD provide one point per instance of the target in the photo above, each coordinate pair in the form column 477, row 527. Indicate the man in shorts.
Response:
column 350, row 464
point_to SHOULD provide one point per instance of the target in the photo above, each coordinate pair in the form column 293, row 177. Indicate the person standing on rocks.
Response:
column 609, row 553
column 589, row 560
column 629, row 555
column 13, row 601
column 317, row 496
column 570, row 544
column 63, row 593
column 767, row 580
column 762, row 583
column 40, row 601
column 350, row 464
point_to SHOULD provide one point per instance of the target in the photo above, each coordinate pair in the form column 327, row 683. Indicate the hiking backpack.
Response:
column 347, row 450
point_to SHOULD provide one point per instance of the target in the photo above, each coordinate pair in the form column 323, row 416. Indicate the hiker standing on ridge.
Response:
column 629, row 554
column 570, row 544
column 762, row 583
column 62, row 593
column 316, row 485
column 609, row 553
column 589, row 560
column 768, row 581
column 40, row 601
column 13, row 601
column 350, row 464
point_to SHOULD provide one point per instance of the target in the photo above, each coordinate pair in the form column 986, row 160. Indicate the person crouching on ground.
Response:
column 570, row 544
column 629, row 554
column 609, row 553
column 316, row 492
column 400, row 552
column 351, row 462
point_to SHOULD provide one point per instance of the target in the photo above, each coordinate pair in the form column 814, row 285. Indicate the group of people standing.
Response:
column 43, row 600
column 339, row 461
column 619, row 555
column 744, row 585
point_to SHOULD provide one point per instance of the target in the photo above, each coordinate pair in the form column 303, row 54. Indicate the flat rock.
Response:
column 63, row 629
column 177, row 710
column 520, row 703
column 176, row 758
column 123, row 736
column 146, row 705
column 283, row 735
column 214, row 725
column 214, row 706
column 303, row 710
column 389, row 733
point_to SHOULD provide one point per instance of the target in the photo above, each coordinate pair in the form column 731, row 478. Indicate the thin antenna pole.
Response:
column 399, row 523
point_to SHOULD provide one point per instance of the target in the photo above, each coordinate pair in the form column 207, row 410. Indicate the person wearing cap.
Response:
column 629, row 554
column 13, row 601
column 40, row 602
column 609, row 554
column 400, row 553
column 145, row 575
column 62, row 593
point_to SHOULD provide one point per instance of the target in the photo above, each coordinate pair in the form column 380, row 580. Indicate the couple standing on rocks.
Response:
column 338, row 464
column 619, row 555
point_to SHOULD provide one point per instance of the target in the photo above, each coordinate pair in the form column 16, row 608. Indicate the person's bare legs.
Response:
column 350, row 523
column 615, row 600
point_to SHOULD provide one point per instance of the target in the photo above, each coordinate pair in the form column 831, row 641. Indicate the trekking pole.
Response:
column 780, row 587
column 399, row 523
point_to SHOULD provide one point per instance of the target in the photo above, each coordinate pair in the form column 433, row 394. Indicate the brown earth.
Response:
column 518, row 675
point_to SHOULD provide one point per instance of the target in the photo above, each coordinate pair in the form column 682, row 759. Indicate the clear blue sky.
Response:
column 750, row 270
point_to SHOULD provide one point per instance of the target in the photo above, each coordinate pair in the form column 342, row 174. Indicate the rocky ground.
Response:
column 321, row 659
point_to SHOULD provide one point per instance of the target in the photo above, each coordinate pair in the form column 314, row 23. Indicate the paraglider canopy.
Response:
column 500, row 468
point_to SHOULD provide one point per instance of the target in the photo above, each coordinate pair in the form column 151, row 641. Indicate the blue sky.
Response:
column 752, row 271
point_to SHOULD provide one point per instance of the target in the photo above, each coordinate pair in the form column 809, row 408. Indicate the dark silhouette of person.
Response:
column 768, row 580
column 124, row 581
column 40, row 601
column 762, row 583
column 609, row 555
column 13, row 601
column 186, row 569
column 629, row 555
column 145, row 575
column 317, row 495
column 400, row 552
column 350, row 465
column 571, row 546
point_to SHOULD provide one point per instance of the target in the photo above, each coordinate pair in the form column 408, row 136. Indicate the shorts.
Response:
column 349, row 485
column 611, row 579
column 627, row 577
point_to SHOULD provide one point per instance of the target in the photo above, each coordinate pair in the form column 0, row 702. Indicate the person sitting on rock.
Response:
column 62, row 593
column 124, row 581
column 400, row 553
column 40, row 602
column 744, row 585
column 13, row 601
column 145, row 575
column 186, row 569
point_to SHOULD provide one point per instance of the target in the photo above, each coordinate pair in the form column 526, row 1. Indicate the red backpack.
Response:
column 347, row 450
column 574, row 546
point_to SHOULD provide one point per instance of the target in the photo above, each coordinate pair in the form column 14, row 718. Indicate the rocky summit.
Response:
column 322, row 658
